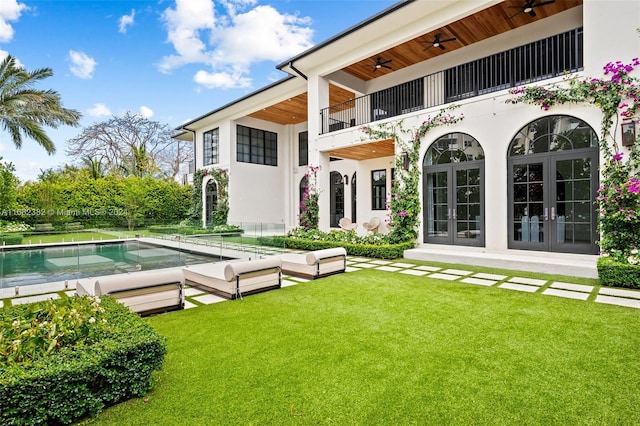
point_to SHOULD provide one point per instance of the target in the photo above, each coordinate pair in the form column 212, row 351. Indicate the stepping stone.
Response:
column 388, row 268
column 610, row 300
column 566, row 293
column 70, row 293
column 351, row 269
column 620, row 293
column 31, row 299
column 298, row 279
column 288, row 283
column 447, row 277
column 519, row 287
column 414, row 272
column 403, row 265
column 359, row 259
column 527, row 281
column 191, row 291
column 490, row 276
column 572, row 287
column 460, row 272
column 351, row 262
column 380, row 262
column 208, row 299
column 189, row 305
column 364, row 265
column 478, row 281
column 427, row 268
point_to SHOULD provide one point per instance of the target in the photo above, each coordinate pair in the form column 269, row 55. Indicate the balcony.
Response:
column 540, row 60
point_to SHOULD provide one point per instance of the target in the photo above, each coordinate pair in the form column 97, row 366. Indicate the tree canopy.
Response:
column 131, row 145
column 24, row 110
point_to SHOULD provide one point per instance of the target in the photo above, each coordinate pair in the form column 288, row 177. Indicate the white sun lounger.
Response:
column 315, row 264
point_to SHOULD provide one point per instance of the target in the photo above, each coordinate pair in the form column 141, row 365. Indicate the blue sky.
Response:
column 170, row 60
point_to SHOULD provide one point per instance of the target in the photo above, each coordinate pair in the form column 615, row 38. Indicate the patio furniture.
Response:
column 144, row 292
column 372, row 225
column 346, row 225
column 232, row 280
column 315, row 264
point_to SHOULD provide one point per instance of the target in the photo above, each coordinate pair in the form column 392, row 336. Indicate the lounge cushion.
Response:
column 314, row 256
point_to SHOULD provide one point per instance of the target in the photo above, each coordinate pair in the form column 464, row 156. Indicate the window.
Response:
column 378, row 189
column 256, row 146
column 303, row 148
column 211, row 145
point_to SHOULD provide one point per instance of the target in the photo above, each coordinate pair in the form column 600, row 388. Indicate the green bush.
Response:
column 378, row 251
column 66, row 359
column 195, row 230
column 618, row 274
column 11, row 239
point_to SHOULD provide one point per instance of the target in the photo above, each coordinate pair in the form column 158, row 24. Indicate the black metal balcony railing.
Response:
column 539, row 60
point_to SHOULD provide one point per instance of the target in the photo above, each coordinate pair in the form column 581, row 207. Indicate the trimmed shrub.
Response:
column 11, row 239
column 617, row 274
column 66, row 359
column 378, row 251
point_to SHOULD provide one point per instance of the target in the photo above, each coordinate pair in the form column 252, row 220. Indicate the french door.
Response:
column 551, row 201
column 336, row 205
column 454, row 204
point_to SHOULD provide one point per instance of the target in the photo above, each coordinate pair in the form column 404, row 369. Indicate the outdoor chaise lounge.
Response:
column 144, row 292
column 315, row 264
column 233, row 280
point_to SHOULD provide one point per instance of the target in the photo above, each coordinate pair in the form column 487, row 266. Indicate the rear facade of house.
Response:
column 505, row 177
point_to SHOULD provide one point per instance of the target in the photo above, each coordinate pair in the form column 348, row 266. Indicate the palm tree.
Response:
column 25, row 110
column 94, row 166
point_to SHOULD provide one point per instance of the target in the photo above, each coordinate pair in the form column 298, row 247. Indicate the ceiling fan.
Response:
column 437, row 42
column 381, row 64
column 529, row 7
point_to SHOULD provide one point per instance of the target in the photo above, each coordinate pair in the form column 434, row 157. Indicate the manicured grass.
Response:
column 67, row 237
column 377, row 348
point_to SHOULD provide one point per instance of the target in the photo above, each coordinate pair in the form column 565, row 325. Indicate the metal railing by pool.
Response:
column 540, row 60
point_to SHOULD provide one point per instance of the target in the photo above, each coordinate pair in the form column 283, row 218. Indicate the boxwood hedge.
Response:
column 616, row 274
column 378, row 251
column 80, row 378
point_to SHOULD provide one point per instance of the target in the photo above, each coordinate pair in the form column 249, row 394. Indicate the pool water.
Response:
column 22, row 267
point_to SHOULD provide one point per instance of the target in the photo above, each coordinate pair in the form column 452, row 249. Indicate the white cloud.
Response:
column 231, row 43
column 146, row 112
column 4, row 54
column 99, row 110
column 126, row 21
column 222, row 80
column 81, row 64
column 10, row 10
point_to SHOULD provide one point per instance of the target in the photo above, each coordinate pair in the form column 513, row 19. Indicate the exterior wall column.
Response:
column 318, row 98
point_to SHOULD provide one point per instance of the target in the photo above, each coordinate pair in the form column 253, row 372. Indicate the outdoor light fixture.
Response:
column 405, row 160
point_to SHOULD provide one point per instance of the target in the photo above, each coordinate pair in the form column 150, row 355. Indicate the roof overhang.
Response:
column 365, row 151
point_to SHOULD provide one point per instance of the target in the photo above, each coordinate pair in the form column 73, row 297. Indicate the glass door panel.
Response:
column 528, row 203
column 437, row 206
column 573, row 213
column 467, row 212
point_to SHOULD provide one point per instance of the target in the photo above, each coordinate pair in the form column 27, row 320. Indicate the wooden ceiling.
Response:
column 294, row 110
column 367, row 151
column 489, row 22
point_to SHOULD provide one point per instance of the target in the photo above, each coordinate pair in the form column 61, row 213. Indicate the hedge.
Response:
column 382, row 251
column 617, row 274
column 80, row 381
column 11, row 239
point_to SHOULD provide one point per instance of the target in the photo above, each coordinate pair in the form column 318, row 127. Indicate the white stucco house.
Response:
column 506, row 177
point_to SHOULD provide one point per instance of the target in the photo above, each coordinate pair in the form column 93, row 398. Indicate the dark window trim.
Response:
column 256, row 146
column 211, row 148
column 378, row 190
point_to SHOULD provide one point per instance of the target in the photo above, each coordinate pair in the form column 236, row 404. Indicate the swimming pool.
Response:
column 28, row 266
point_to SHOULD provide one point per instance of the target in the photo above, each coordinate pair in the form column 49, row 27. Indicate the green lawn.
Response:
column 378, row 348
column 67, row 237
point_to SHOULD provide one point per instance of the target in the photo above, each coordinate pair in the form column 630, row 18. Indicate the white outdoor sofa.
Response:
column 144, row 292
column 233, row 280
column 315, row 264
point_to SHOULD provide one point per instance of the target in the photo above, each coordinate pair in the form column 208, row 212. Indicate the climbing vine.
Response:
column 403, row 203
column 309, row 210
column 221, row 211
